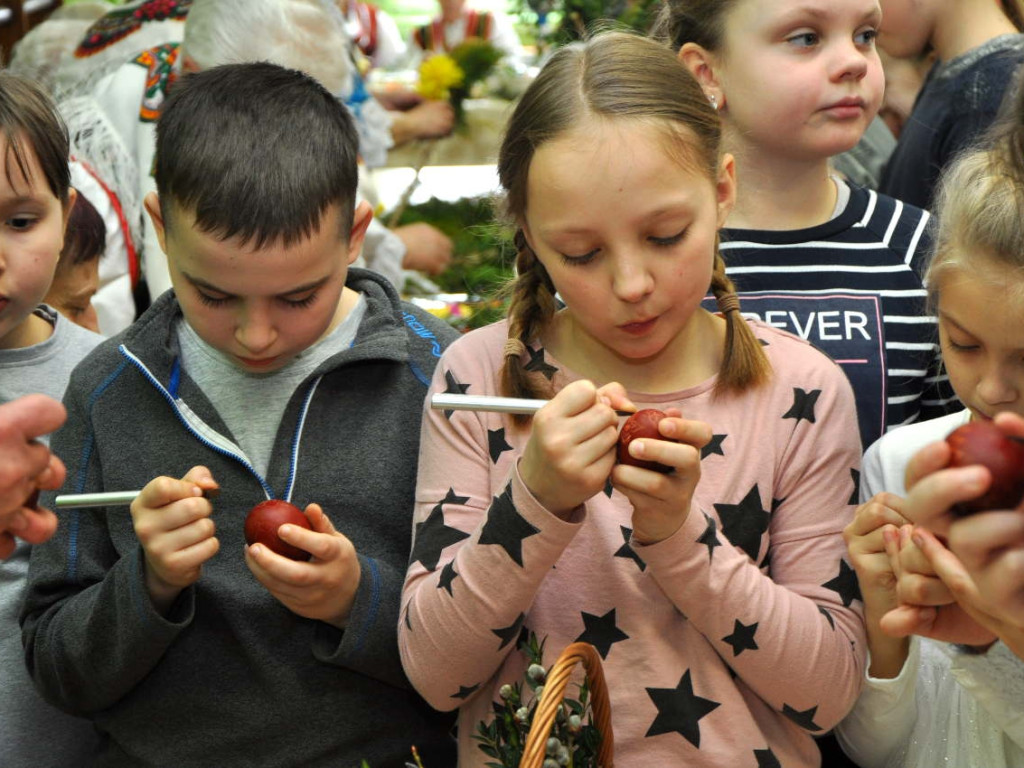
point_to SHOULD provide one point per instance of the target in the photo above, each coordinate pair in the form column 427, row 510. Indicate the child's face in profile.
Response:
column 260, row 308
column 626, row 233
column 31, row 237
column 983, row 351
column 72, row 290
column 801, row 78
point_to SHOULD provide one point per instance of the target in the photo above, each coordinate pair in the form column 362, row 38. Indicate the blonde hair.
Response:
column 980, row 204
column 614, row 76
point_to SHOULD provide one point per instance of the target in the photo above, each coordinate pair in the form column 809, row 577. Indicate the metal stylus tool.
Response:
column 108, row 498
column 443, row 401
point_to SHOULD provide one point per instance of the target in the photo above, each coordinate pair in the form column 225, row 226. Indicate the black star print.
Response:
column 804, row 719
column 828, row 615
column 408, row 608
column 679, row 709
column 448, row 574
column 766, row 759
column 432, row 535
column 453, row 388
column 537, row 364
column 601, row 632
column 855, row 496
column 743, row 524
column 715, row 446
column 627, row 551
column 497, row 444
column 845, row 584
column 511, row 632
column 803, row 405
column 776, row 503
column 710, row 536
column 464, row 692
column 609, row 489
column 506, row 527
column 742, row 638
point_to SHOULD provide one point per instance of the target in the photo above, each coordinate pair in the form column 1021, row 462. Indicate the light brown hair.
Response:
column 613, row 76
column 692, row 21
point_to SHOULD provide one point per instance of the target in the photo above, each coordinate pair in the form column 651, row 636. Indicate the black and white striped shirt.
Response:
column 854, row 287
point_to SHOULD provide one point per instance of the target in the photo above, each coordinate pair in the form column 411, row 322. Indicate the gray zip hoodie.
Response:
column 230, row 677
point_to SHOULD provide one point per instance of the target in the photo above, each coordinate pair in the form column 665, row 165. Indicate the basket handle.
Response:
column 551, row 700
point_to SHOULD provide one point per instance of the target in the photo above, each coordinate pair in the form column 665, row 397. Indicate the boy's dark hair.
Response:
column 255, row 151
column 29, row 121
column 85, row 238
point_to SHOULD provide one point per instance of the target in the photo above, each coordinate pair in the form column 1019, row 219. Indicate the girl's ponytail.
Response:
column 531, row 305
column 744, row 364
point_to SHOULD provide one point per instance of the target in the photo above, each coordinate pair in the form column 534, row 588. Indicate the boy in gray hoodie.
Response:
column 272, row 370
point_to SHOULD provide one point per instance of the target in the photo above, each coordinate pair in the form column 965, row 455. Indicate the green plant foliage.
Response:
column 564, row 21
column 483, row 259
column 574, row 740
column 477, row 58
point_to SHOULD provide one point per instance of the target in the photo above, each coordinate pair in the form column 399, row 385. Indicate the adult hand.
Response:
column 429, row 120
column 27, row 466
column 427, row 248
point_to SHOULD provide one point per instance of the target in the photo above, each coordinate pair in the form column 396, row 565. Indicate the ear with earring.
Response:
column 714, row 101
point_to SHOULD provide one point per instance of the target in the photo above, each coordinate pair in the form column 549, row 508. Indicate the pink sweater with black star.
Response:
column 731, row 643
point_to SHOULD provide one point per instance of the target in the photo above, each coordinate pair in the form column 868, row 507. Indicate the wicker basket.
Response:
column 551, row 700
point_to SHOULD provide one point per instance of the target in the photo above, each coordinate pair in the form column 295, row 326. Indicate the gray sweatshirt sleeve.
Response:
column 369, row 644
column 89, row 629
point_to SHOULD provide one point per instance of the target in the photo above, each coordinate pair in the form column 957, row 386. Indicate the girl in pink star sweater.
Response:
column 717, row 594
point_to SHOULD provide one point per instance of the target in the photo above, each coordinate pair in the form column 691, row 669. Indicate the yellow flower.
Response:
column 438, row 75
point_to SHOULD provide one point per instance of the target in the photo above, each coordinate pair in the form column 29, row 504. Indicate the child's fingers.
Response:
column 929, row 501
column 688, row 431
column 614, row 395
column 930, row 459
column 947, row 566
column 879, row 511
column 975, row 539
column 192, row 555
column 680, row 456
column 891, row 539
column 161, row 491
column 1011, row 423
column 202, row 477
column 7, row 545
column 906, row 620
column 162, row 543
column 573, row 399
column 318, row 519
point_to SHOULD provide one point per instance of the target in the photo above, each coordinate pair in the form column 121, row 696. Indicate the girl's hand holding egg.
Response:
column 658, row 470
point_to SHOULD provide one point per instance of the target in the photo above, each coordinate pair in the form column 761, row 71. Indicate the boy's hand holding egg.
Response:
column 264, row 520
column 318, row 572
